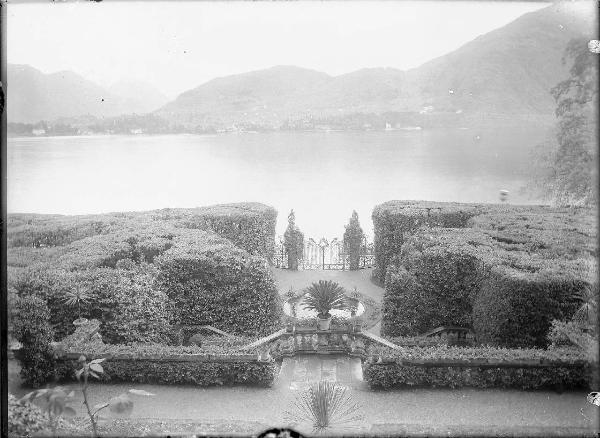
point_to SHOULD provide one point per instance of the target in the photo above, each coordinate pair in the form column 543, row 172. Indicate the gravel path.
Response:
column 393, row 409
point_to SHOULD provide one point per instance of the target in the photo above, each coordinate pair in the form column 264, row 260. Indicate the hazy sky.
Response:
column 176, row 46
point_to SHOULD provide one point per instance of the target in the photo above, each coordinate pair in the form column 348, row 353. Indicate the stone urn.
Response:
column 323, row 323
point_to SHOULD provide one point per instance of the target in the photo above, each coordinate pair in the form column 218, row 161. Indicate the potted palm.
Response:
column 323, row 297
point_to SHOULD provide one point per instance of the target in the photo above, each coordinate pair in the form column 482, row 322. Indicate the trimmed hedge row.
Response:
column 218, row 362
column 508, row 294
column 165, row 371
column 393, row 221
column 394, row 375
column 478, row 367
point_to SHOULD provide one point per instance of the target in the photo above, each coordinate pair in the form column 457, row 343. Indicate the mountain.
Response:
column 507, row 72
column 33, row 96
column 264, row 95
column 137, row 97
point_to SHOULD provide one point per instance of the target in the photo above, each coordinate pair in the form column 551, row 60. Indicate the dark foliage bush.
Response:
column 394, row 221
column 212, row 282
column 478, row 367
column 31, row 327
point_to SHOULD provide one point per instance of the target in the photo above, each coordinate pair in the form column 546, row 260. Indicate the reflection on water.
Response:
column 322, row 176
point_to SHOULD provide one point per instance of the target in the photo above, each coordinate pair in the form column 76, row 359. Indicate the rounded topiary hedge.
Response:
column 507, row 292
column 210, row 281
column 394, row 221
column 250, row 226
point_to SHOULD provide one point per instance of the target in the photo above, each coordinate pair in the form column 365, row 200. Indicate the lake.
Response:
column 323, row 176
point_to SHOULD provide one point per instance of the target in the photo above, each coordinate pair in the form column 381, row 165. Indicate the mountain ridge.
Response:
column 507, row 72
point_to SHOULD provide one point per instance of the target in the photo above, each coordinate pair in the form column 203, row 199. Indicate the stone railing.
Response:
column 301, row 340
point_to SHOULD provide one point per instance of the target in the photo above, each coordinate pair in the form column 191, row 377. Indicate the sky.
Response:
column 177, row 46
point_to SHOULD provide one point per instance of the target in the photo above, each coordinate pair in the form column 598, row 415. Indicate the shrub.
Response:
column 143, row 312
column 431, row 288
column 515, row 308
column 24, row 418
column 293, row 242
column 393, row 221
column 32, row 329
column 353, row 240
column 478, row 367
column 210, row 281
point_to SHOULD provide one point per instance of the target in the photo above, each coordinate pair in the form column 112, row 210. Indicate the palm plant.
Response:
column 76, row 297
column 324, row 405
column 325, row 296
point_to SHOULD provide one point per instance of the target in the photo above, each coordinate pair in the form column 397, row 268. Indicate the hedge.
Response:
column 31, row 327
column 505, row 291
column 478, row 367
column 38, row 230
column 134, row 277
column 126, row 301
column 215, row 363
column 165, row 371
column 211, row 282
column 250, row 226
column 393, row 221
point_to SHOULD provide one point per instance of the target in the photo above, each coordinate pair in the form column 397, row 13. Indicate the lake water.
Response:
column 322, row 176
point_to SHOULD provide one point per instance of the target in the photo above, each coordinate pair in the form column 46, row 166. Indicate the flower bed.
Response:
column 484, row 367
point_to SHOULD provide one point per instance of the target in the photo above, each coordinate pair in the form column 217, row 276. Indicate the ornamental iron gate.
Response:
column 324, row 254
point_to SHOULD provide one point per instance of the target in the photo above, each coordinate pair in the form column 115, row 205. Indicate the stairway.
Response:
column 300, row 371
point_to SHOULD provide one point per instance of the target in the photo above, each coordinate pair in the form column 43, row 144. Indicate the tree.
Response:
column 293, row 242
column 568, row 173
column 353, row 238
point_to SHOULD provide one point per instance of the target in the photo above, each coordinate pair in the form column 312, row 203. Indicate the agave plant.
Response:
column 325, row 296
column 587, row 313
column 324, row 405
